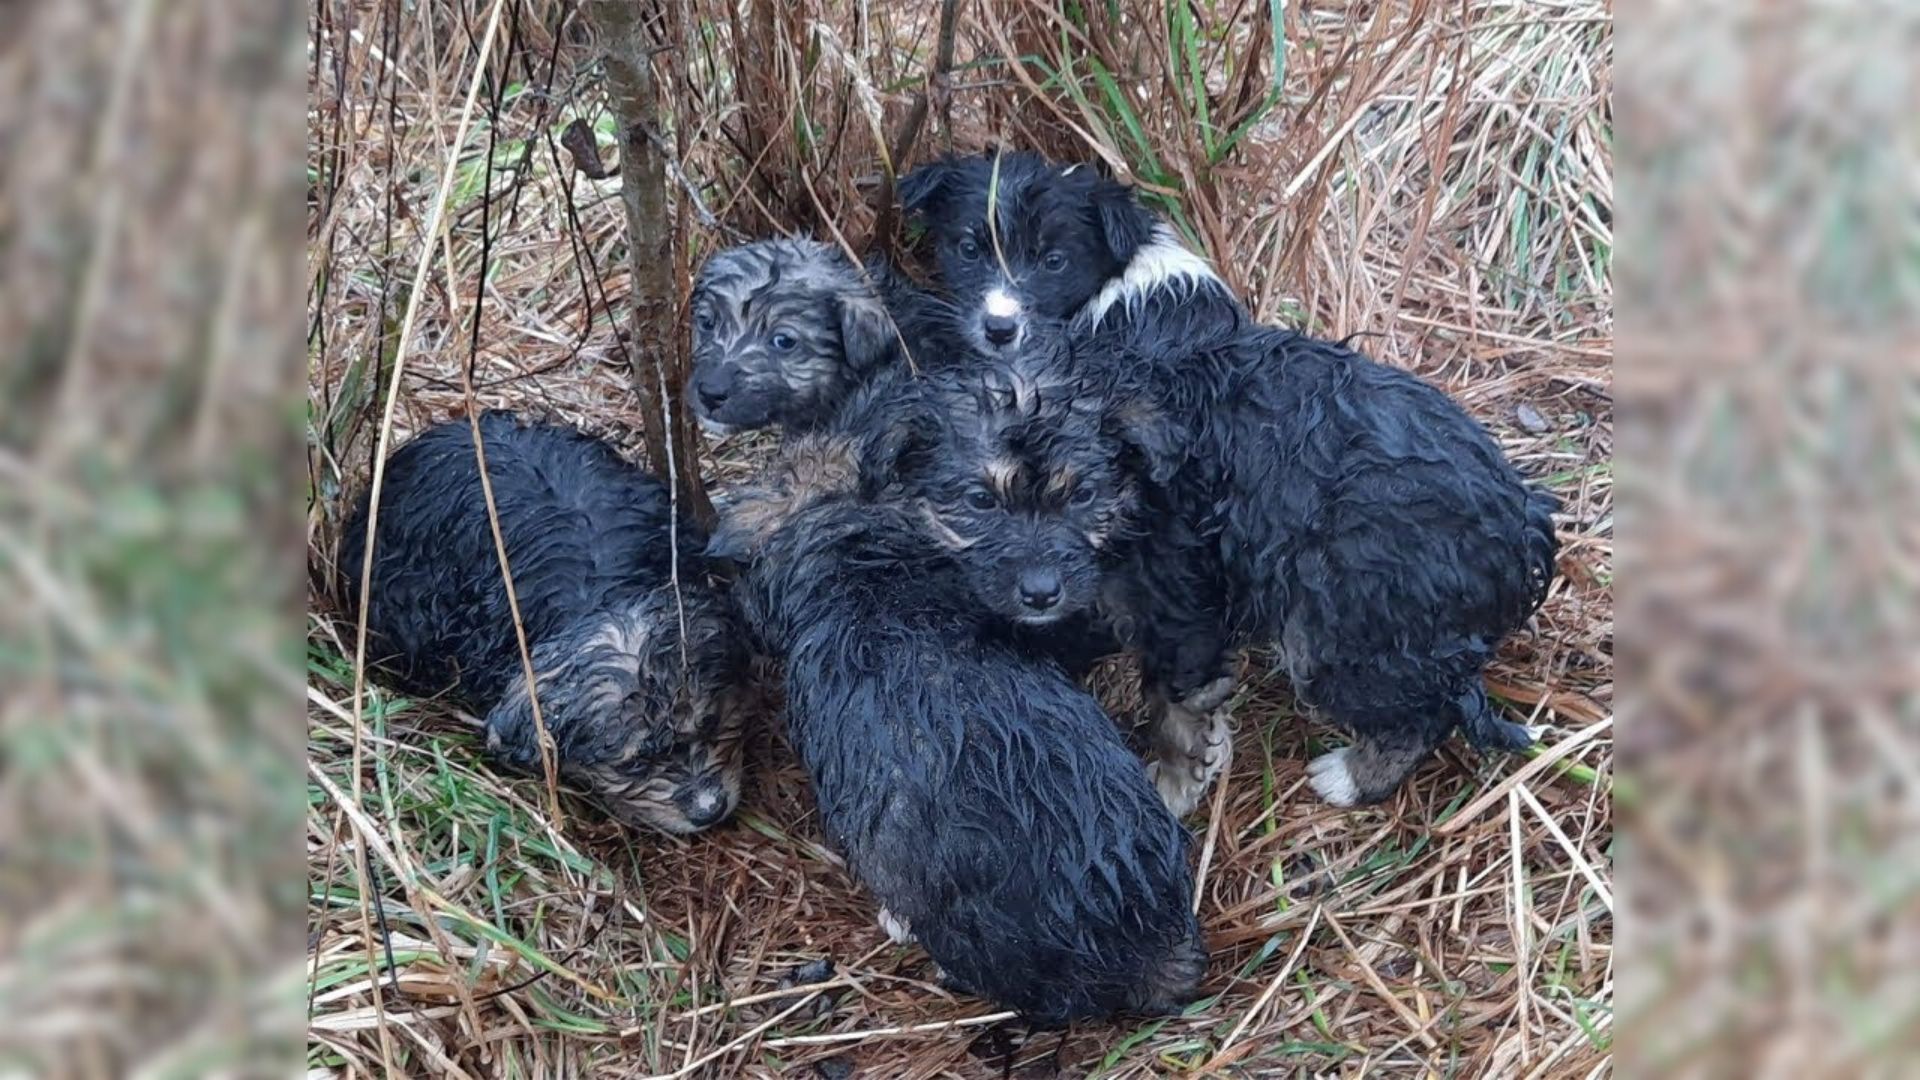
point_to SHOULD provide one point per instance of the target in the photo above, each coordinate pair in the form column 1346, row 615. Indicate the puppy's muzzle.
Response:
column 706, row 800
column 716, row 386
column 1040, row 591
column 1002, row 319
column 726, row 400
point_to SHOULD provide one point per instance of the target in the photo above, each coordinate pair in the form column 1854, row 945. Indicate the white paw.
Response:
column 1183, row 781
column 1177, row 785
column 1536, row 731
column 1332, row 779
column 896, row 928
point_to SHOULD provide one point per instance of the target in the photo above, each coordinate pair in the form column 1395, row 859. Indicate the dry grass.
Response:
column 1434, row 177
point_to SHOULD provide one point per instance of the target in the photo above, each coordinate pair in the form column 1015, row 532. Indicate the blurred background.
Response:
column 150, row 545
column 170, row 454
column 1769, row 373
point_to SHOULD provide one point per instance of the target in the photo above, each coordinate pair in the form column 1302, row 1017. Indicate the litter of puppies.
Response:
column 1074, row 441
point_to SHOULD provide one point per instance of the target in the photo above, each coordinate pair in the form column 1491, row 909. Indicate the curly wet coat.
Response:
column 980, row 794
column 1296, row 492
column 785, row 330
column 647, row 718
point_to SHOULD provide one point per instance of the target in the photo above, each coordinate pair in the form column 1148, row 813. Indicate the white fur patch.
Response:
column 1001, row 304
column 896, row 927
column 706, row 804
column 1163, row 263
column 1332, row 779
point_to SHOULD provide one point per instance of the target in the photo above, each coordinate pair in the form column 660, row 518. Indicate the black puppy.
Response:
column 784, row 330
column 1020, row 463
column 983, row 797
column 1296, row 492
column 643, row 687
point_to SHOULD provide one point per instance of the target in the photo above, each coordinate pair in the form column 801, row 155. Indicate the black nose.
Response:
column 1039, row 589
column 1000, row 329
column 714, row 386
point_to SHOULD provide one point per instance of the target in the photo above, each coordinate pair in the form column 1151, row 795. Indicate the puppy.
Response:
column 1006, row 462
column 784, row 330
column 642, row 686
column 1295, row 492
column 983, row 797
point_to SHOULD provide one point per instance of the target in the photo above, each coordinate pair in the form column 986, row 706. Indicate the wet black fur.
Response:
column 1008, row 461
column 1059, row 234
column 587, row 537
column 1300, row 493
column 976, row 791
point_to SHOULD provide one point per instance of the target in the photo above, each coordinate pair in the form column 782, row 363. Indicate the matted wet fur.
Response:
column 645, row 717
column 785, row 329
column 980, row 794
column 1299, row 493
column 1009, row 463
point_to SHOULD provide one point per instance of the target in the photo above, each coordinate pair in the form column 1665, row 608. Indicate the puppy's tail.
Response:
column 1482, row 725
column 1542, row 545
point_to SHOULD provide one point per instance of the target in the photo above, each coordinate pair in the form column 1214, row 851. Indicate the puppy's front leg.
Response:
column 1191, row 734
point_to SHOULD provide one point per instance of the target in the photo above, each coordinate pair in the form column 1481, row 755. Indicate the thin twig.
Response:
column 881, row 1033
column 1273, row 986
column 384, row 445
column 1474, row 809
column 936, row 87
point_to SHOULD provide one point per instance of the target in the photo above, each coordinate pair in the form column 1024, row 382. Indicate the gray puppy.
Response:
column 785, row 330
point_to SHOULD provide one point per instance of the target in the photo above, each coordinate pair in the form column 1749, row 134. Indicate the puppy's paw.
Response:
column 896, row 927
column 1183, row 777
column 1331, row 777
column 1211, row 696
column 1180, row 784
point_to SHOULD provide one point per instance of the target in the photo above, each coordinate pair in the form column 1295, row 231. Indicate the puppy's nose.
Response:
column 1000, row 329
column 705, row 805
column 1039, row 589
column 714, row 387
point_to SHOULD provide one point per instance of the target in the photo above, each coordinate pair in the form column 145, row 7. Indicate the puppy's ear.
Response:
column 898, row 448
column 1124, row 223
column 924, row 188
column 1152, row 441
column 867, row 335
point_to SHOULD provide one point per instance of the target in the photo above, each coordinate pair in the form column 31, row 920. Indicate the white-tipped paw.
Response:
column 896, row 928
column 1182, row 779
column 1179, row 783
column 1332, row 778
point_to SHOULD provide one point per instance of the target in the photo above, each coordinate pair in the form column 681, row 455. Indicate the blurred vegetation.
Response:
column 150, row 747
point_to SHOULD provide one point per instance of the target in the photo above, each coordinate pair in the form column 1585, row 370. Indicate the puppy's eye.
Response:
column 968, row 249
column 782, row 341
column 1081, row 496
column 981, row 499
column 703, row 320
column 1055, row 262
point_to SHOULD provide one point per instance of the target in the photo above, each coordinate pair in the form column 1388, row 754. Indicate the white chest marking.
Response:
column 1162, row 263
